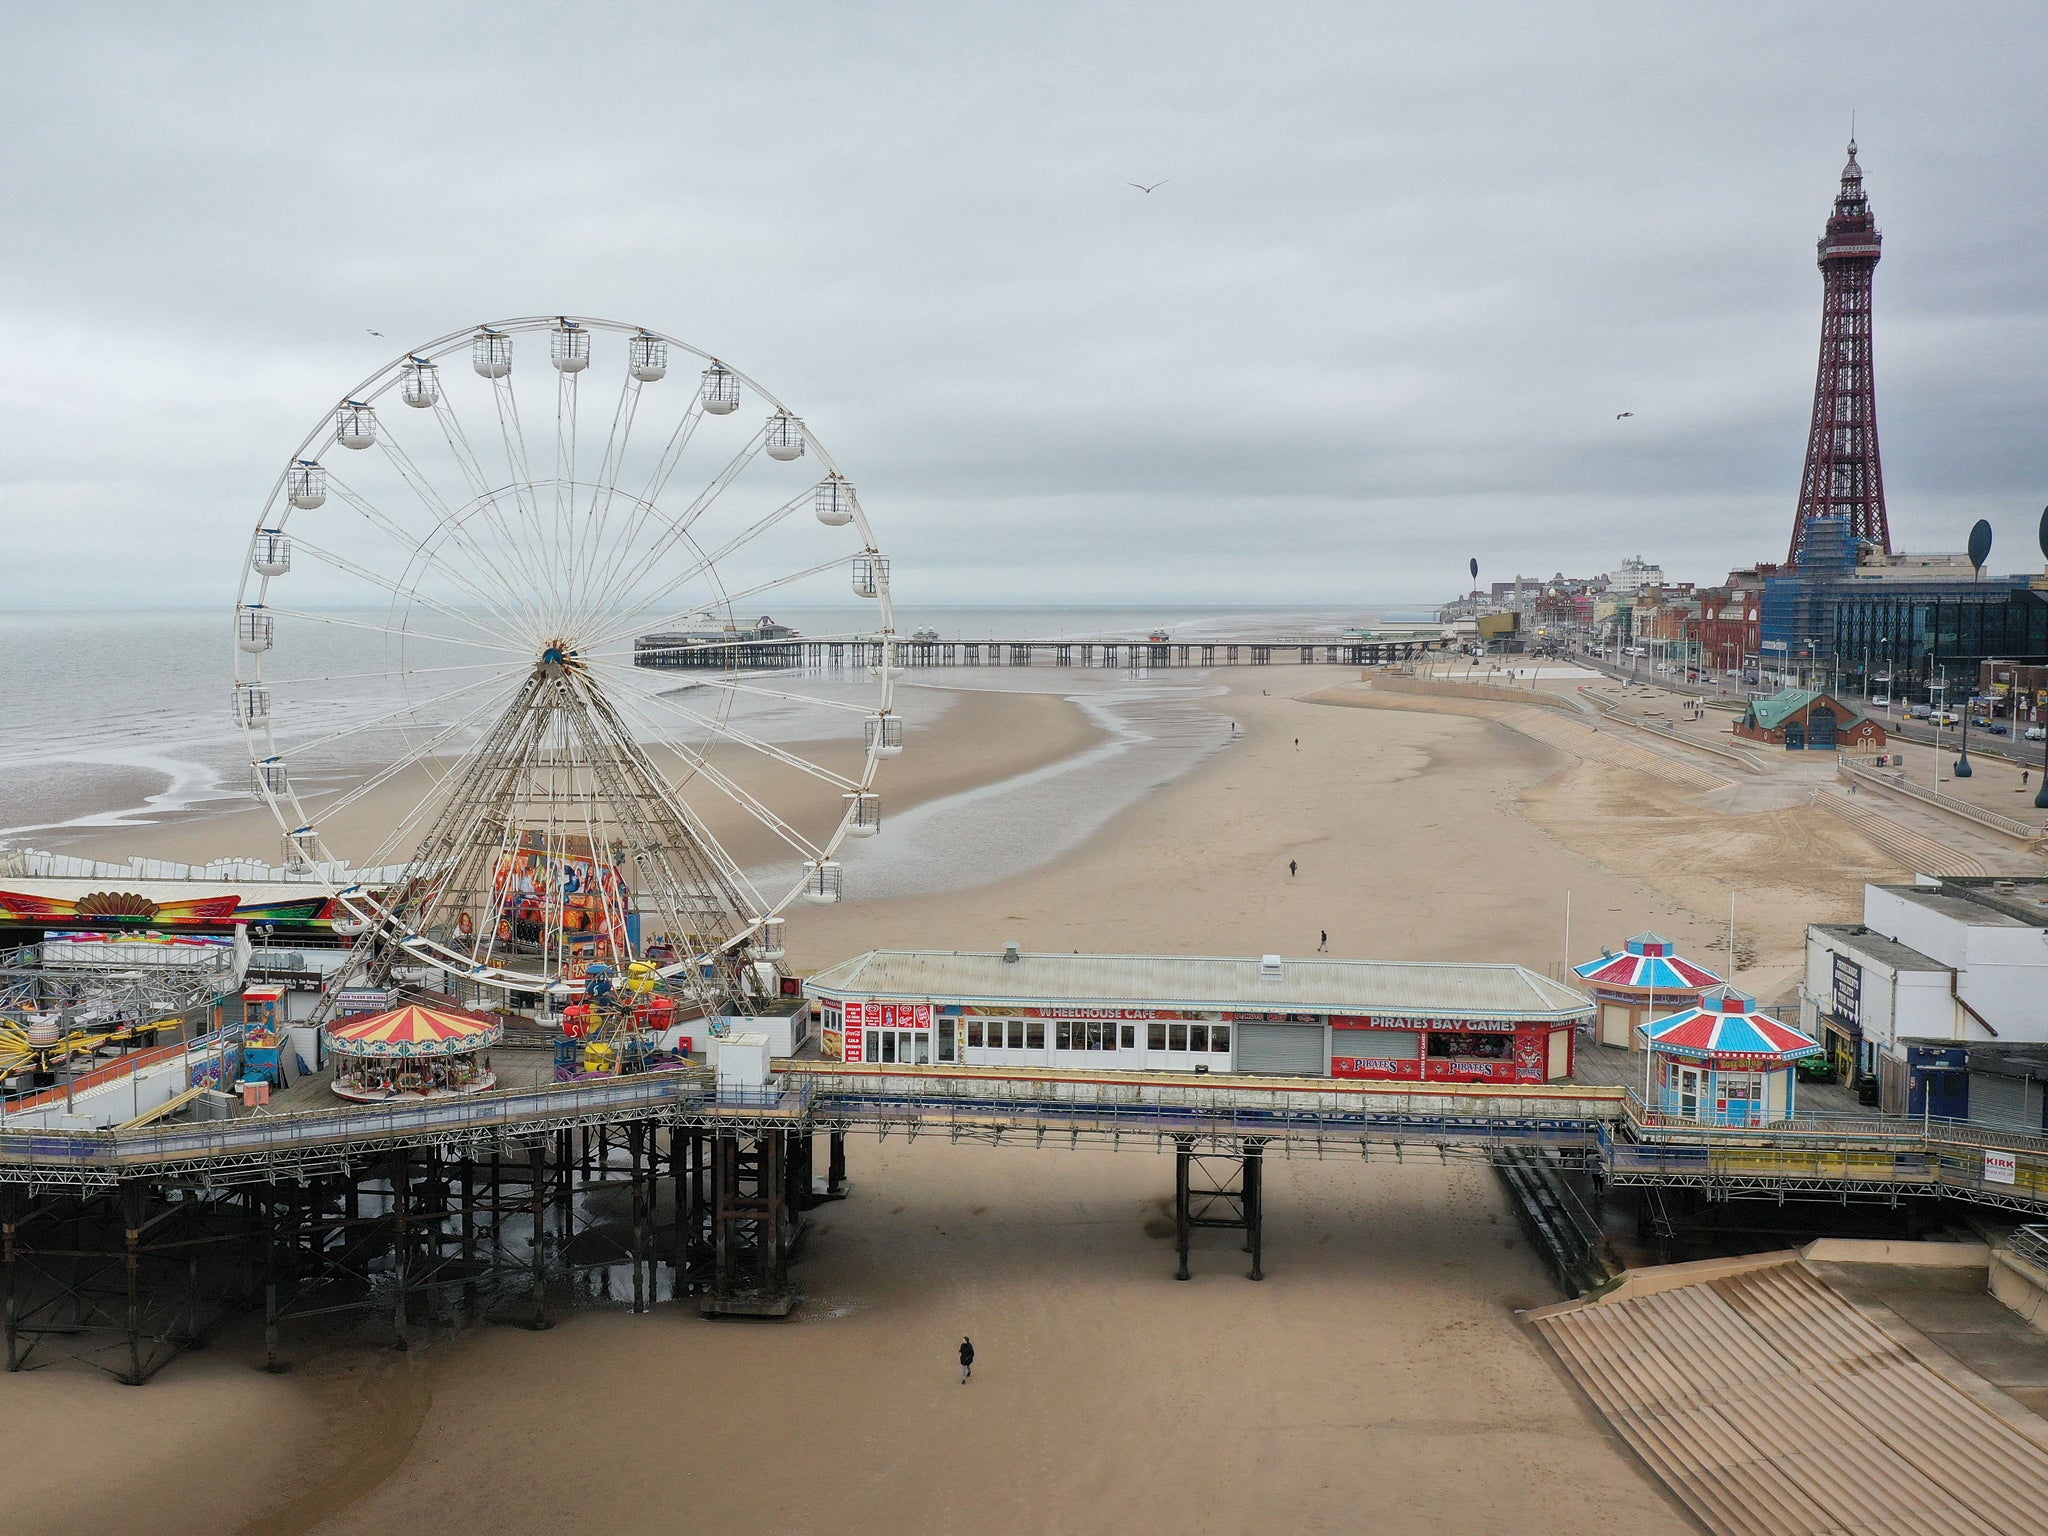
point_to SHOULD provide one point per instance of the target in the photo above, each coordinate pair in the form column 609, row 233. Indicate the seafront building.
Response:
column 1938, row 999
column 1391, row 1020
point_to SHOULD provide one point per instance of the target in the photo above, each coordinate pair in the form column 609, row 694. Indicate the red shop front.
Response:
column 1450, row 1050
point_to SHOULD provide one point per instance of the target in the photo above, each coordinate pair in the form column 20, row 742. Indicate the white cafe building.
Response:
column 1419, row 1021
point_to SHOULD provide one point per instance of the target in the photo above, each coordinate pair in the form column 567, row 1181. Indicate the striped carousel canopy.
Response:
column 1648, row 961
column 412, row 1031
column 1726, row 1025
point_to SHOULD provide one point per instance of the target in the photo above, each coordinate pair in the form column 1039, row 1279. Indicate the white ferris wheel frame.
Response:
column 361, row 901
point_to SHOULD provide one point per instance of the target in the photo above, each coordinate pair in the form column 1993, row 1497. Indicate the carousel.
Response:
column 412, row 1053
column 1647, row 976
column 1721, row 1061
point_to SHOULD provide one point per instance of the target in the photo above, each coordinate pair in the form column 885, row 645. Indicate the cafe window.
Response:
column 946, row 1051
column 1219, row 1037
column 1155, row 1035
column 974, row 1033
column 1130, row 1037
column 1037, row 1032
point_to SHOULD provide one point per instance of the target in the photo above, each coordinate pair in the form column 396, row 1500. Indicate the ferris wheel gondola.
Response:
column 437, row 676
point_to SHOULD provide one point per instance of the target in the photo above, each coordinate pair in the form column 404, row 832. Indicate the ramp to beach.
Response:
column 1772, row 1405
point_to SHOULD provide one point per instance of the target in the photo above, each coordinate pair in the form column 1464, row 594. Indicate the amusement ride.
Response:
column 435, row 672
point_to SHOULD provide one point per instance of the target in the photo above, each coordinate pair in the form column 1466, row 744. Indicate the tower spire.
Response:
column 1843, row 476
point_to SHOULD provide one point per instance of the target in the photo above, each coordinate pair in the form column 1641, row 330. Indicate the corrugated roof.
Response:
column 1769, row 714
column 1377, row 987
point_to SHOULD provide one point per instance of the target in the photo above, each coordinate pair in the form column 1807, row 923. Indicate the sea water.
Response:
column 117, row 718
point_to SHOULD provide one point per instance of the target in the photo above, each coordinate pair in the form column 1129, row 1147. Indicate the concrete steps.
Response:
column 1602, row 746
column 1771, row 1406
column 1916, row 850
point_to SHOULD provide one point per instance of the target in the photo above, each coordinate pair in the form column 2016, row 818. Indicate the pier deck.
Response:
column 797, row 653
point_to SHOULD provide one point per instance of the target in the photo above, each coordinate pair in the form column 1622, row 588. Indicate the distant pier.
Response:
column 796, row 652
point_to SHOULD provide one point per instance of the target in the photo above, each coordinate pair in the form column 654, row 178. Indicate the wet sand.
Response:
column 975, row 739
column 1377, row 1380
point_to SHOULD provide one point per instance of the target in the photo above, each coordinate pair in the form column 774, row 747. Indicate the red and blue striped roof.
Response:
column 1727, row 1028
column 1649, row 961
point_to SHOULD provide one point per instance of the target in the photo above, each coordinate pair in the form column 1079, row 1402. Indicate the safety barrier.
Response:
column 1748, row 762
column 1856, row 773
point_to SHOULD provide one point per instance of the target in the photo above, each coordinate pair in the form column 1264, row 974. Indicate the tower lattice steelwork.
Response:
column 1843, row 477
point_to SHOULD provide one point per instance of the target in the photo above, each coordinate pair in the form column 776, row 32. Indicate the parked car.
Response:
column 1922, row 711
column 2037, row 733
column 1880, row 701
column 1997, row 728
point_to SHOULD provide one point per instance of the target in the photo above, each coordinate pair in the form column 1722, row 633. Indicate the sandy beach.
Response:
column 1379, row 1379
column 954, row 741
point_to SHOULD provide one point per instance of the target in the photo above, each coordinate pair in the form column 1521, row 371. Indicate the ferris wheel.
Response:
column 507, row 673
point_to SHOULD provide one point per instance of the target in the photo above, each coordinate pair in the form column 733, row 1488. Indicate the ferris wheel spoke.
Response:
column 727, row 599
column 699, row 851
column 631, row 619
column 597, row 516
column 396, row 589
column 386, row 629
column 422, row 755
column 385, row 675
column 395, row 715
column 734, row 791
column 647, row 503
column 484, row 505
column 393, row 530
column 734, row 734
column 447, row 520
column 680, row 525
column 672, row 452
column 781, row 696
column 514, row 436
column 565, row 480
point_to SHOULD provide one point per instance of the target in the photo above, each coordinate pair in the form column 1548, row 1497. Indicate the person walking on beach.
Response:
column 1291, row 867
column 966, row 1359
column 1324, row 947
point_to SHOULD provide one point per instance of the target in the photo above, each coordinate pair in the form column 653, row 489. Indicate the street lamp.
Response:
column 2041, row 795
column 1980, row 551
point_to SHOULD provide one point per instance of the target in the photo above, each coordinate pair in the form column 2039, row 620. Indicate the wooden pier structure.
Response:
column 800, row 654
column 124, row 1246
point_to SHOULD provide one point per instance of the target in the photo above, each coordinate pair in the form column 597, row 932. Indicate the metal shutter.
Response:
column 1395, row 1044
column 1283, row 1050
column 1997, row 1100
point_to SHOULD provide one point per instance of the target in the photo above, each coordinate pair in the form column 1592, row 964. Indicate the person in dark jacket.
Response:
column 966, row 1359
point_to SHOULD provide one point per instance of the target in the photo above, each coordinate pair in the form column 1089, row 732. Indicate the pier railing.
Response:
column 1882, row 1154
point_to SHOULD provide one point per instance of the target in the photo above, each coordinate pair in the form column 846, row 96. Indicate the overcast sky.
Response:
column 1408, row 264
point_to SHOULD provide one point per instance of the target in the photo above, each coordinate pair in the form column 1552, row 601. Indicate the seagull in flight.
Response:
column 1623, row 415
column 1151, row 189
column 373, row 333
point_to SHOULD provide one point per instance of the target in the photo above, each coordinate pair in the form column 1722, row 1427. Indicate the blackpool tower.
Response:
column 1842, row 476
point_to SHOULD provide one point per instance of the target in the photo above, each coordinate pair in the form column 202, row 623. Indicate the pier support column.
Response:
column 134, row 1203
column 267, row 1203
column 636, row 1145
column 1220, row 1190
column 752, row 1227
column 835, row 1167
column 401, row 1242
column 11, row 1202
column 537, row 1169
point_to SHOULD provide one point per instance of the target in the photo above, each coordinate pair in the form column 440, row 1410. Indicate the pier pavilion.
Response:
column 1391, row 1020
